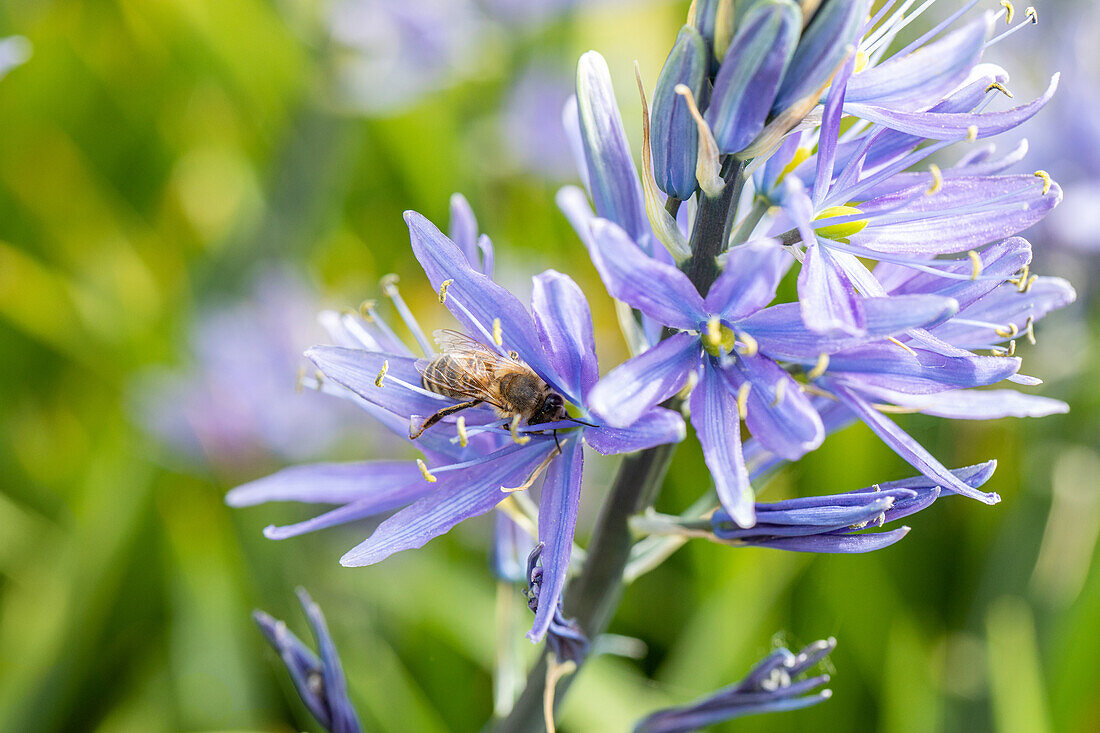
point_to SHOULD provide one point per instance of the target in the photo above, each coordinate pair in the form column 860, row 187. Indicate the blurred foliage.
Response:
column 154, row 155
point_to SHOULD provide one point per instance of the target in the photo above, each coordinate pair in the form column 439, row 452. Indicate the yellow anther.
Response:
column 751, row 346
column 999, row 87
column 299, row 379
column 366, row 310
column 498, row 336
column 460, row 426
column 1032, row 14
column 895, row 341
column 443, row 290
column 1002, row 351
column 382, row 373
column 862, row 59
column 976, row 265
column 972, row 133
column 1005, row 332
column 1026, row 286
column 840, row 231
column 389, row 283
column 718, row 339
column 1029, row 330
column 780, row 392
column 1011, row 11
column 428, row 476
column 516, row 437
column 1047, row 180
column 319, row 378
column 937, row 180
column 800, row 155
column 743, row 400
column 819, row 368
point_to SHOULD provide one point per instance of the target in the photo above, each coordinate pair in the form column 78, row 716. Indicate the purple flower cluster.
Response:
column 780, row 155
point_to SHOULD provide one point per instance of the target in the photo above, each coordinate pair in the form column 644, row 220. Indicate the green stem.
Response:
column 713, row 223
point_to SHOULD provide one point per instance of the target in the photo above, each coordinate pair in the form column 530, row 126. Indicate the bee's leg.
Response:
column 556, row 441
column 449, row 410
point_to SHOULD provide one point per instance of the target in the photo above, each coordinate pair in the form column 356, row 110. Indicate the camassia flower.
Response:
column 320, row 681
column 473, row 457
column 735, row 347
column 771, row 686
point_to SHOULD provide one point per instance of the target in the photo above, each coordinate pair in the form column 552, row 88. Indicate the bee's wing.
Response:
column 471, row 374
column 450, row 341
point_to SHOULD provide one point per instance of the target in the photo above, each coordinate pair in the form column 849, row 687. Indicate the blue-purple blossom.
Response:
column 472, row 460
column 319, row 680
column 773, row 685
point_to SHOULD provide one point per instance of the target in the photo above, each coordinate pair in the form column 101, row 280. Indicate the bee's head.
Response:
column 551, row 410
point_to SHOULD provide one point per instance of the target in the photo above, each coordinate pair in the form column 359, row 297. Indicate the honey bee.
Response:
column 468, row 371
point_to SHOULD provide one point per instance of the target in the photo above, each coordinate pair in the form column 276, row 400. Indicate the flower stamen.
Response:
column 743, row 400
column 999, row 87
column 976, row 265
column 937, row 180
column 460, row 426
column 498, row 334
column 1047, row 180
column 516, row 437
column 895, row 341
column 780, row 392
column 820, row 367
column 443, row 291
column 428, row 475
column 382, row 373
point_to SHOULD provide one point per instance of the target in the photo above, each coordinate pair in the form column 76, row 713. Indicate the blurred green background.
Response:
column 158, row 158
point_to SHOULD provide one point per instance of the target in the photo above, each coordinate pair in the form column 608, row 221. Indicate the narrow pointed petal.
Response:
column 751, row 71
column 1008, row 307
column 324, row 483
column 564, row 324
column 829, row 134
column 822, row 47
column 613, row 180
column 458, row 495
column 1000, row 261
column 561, row 495
column 656, row 427
column 394, row 498
column 779, row 414
column 749, row 279
column 463, row 229
column 781, row 333
column 919, row 371
column 718, row 426
column 835, row 543
column 921, row 78
column 973, row 404
column 632, row 388
column 674, row 137
column 965, row 214
column 476, row 301
column 829, row 301
column 953, row 125
column 905, row 446
column 655, row 288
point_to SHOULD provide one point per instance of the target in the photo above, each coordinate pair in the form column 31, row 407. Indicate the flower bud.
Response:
column 674, row 137
column 751, row 72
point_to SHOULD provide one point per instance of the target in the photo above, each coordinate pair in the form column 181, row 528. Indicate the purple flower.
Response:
column 236, row 402
column 771, row 686
column 474, row 458
column 735, row 347
column 320, row 681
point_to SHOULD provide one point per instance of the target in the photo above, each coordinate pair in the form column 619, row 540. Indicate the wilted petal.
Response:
column 561, row 495
column 476, row 301
column 655, row 427
column 749, row 278
column 751, row 71
column 632, row 388
column 458, row 495
column 564, row 325
column 717, row 424
column 656, row 288
column 906, row 447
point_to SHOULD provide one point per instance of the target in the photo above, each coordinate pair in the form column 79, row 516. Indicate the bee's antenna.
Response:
column 582, row 422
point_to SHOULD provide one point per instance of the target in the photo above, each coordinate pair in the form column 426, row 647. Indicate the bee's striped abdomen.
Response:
column 445, row 376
